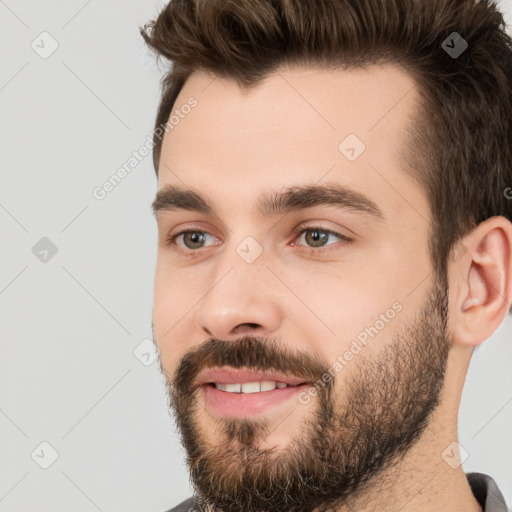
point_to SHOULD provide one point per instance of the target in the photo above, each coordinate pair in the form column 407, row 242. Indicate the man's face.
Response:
column 307, row 261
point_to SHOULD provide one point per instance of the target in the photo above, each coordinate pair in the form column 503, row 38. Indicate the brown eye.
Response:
column 193, row 239
column 316, row 237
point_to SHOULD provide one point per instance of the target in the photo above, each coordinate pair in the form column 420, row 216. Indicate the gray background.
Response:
column 71, row 323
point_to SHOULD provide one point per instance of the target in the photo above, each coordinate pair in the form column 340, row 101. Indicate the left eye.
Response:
column 318, row 237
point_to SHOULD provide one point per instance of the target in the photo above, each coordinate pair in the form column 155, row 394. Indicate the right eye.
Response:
column 190, row 240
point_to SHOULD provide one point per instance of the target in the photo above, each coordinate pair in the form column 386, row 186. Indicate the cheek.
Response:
column 167, row 309
column 163, row 303
column 345, row 305
column 175, row 291
column 176, row 294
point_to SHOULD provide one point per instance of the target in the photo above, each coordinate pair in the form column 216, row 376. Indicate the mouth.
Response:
column 244, row 377
column 251, row 387
column 230, row 392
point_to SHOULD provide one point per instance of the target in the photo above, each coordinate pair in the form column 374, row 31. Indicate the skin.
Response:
column 236, row 144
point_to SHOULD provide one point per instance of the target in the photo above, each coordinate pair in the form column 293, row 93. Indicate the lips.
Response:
column 239, row 376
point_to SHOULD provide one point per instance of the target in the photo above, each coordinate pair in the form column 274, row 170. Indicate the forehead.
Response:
column 300, row 125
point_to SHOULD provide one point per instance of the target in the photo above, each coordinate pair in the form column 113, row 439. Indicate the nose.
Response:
column 241, row 300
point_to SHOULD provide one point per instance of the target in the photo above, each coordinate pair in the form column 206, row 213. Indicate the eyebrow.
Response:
column 174, row 198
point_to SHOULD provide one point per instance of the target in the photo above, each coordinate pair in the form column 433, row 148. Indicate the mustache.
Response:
column 251, row 353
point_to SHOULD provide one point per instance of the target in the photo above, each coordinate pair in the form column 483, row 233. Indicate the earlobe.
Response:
column 483, row 282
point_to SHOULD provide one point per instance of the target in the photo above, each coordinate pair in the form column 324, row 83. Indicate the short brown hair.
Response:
column 459, row 148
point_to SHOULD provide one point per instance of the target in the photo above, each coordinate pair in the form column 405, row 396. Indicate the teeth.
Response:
column 251, row 387
column 269, row 385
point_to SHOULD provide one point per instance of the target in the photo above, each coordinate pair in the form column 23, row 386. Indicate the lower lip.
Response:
column 235, row 405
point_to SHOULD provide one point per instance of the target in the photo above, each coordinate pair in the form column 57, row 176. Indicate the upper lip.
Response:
column 226, row 375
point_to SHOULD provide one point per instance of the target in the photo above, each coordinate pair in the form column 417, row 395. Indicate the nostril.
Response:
column 240, row 328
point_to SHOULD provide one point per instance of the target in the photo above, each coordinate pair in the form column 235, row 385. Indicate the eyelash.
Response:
column 192, row 253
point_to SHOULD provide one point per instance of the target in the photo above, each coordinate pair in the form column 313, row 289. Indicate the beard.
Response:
column 334, row 456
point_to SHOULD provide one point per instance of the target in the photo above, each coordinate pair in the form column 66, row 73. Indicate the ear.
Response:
column 481, row 282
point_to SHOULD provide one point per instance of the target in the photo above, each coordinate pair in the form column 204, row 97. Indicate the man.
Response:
column 335, row 238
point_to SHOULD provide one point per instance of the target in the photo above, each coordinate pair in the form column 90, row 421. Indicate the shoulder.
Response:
column 486, row 492
column 185, row 506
